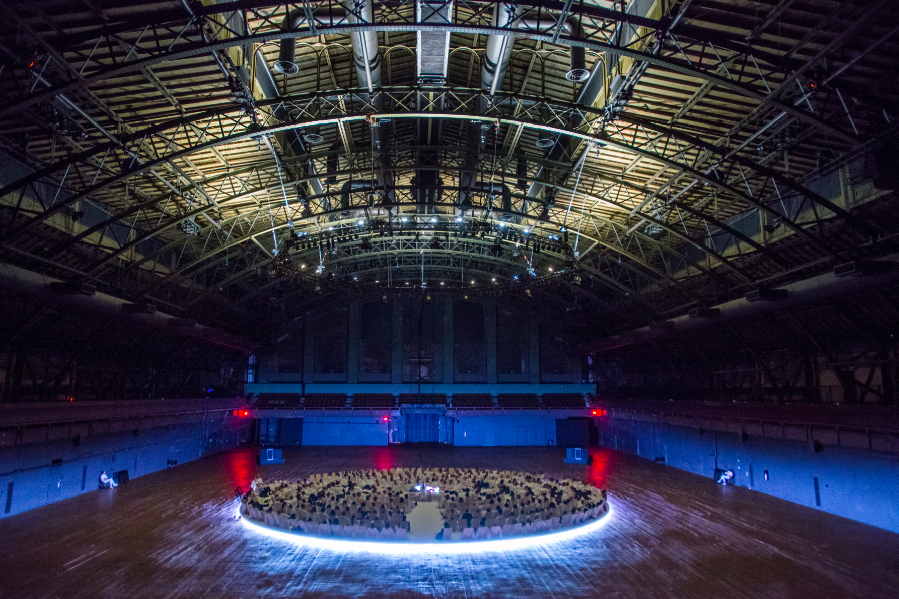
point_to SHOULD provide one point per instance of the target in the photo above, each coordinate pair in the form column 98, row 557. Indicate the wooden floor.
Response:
column 671, row 534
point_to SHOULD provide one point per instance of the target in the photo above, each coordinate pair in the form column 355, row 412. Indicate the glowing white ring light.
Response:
column 409, row 547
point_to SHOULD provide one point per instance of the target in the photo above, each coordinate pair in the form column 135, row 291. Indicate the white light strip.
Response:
column 445, row 548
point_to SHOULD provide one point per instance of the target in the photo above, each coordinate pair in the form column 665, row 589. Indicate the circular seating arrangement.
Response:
column 475, row 504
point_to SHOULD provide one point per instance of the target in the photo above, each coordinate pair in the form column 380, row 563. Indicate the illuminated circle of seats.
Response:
column 407, row 510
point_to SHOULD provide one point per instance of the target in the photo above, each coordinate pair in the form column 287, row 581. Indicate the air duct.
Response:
column 545, row 139
column 366, row 57
column 521, row 171
column 433, row 46
column 332, row 163
column 286, row 63
column 365, row 44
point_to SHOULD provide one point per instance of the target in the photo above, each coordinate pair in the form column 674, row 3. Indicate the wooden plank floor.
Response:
column 671, row 534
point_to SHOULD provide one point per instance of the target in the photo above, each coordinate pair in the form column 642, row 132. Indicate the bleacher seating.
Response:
column 278, row 400
column 518, row 400
column 436, row 399
column 373, row 400
column 472, row 400
column 325, row 400
column 563, row 400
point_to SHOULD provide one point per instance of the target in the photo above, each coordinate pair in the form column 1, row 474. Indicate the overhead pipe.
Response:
column 366, row 57
column 594, row 85
column 577, row 65
column 496, row 60
column 333, row 162
column 345, row 190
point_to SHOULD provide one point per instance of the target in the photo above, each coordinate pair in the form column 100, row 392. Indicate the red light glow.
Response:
column 245, row 413
column 385, row 418
column 236, row 412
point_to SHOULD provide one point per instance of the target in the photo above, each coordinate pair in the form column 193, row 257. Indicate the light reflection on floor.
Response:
column 174, row 534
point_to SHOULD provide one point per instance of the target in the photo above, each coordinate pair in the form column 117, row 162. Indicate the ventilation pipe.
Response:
column 366, row 57
column 469, row 174
column 427, row 189
column 577, row 66
column 496, row 60
column 333, row 162
column 593, row 87
column 521, row 171
column 365, row 44
column 499, row 48
column 345, row 190
column 545, row 139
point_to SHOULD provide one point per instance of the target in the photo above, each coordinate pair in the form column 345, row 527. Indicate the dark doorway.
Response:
column 422, row 428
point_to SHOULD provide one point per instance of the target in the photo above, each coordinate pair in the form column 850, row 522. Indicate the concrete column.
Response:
column 309, row 352
column 490, row 341
column 448, row 371
column 534, row 347
column 354, row 331
column 397, row 369
column 440, row 305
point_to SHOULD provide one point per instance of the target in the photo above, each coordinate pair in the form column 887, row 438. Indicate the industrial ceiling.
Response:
column 632, row 159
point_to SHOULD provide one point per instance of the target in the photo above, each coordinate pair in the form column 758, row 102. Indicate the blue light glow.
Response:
column 435, row 548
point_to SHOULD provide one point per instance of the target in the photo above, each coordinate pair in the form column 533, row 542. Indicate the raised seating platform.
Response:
column 325, row 400
column 518, row 400
column 278, row 400
column 436, row 399
column 472, row 400
column 563, row 400
column 374, row 400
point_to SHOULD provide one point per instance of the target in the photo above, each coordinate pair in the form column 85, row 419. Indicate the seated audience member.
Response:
column 106, row 482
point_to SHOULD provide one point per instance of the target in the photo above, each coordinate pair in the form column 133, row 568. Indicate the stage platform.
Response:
column 173, row 534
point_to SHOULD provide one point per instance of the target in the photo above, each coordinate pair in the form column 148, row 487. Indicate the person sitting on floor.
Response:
column 106, row 482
